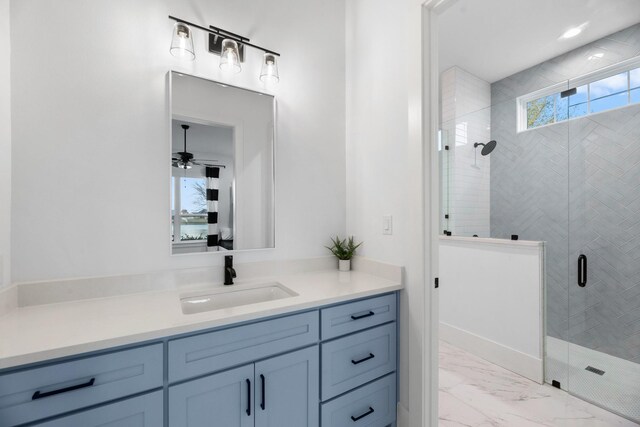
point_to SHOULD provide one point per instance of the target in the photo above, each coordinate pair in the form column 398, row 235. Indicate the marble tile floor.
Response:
column 474, row 392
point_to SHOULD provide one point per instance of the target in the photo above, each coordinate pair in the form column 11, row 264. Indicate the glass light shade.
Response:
column 182, row 165
column 269, row 71
column 230, row 56
column 182, row 42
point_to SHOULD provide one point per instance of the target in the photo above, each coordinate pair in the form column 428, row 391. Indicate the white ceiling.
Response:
column 494, row 39
column 204, row 141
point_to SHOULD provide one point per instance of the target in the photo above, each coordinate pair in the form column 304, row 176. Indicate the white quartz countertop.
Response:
column 42, row 332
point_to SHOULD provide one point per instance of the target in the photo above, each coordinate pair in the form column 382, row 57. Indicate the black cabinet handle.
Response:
column 362, row 316
column 39, row 395
column 369, row 412
column 263, row 403
column 369, row 357
column 582, row 271
column 248, row 397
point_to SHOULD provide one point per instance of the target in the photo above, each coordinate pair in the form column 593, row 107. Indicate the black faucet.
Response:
column 229, row 271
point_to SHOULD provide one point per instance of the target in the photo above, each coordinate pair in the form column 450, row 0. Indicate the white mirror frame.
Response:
column 236, row 159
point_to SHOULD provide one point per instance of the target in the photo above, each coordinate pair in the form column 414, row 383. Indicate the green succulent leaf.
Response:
column 343, row 249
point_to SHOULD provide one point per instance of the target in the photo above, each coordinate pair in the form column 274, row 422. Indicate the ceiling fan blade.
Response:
column 208, row 164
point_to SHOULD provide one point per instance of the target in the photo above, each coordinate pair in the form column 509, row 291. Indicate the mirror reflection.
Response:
column 221, row 167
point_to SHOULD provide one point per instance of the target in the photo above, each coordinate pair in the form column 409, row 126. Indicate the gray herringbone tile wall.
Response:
column 576, row 185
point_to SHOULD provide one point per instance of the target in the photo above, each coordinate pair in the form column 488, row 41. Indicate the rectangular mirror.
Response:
column 222, row 167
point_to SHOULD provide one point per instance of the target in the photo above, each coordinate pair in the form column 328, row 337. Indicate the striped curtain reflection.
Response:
column 213, row 178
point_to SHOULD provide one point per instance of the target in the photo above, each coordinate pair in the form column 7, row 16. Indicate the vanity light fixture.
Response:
column 269, row 71
column 182, row 42
column 229, row 46
column 230, row 56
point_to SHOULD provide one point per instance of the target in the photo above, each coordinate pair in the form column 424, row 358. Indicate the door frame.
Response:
column 431, row 10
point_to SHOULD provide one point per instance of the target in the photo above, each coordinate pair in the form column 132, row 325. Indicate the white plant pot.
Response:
column 344, row 264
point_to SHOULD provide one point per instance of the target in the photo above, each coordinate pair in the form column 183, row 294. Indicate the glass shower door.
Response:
column 604, row 255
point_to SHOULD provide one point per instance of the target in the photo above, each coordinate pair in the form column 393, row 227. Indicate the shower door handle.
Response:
column 582, row 271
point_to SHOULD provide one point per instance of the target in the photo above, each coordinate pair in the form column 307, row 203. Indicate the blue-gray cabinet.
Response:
column 359, row 360
column 333, row 366
column 353, row 360
column 49, row 390
column 141, row 411
column 287, row 390
column 224, row 399
column 373, row 405
column 277, row 392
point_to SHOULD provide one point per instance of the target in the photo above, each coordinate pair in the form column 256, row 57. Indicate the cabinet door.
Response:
column 141, row 411
column 287, row 390
column 220, row 400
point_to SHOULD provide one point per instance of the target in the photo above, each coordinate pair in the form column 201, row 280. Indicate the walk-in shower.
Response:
column 566, row 172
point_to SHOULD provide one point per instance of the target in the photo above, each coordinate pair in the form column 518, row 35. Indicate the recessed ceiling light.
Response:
column 596, row 56
column 572, row 32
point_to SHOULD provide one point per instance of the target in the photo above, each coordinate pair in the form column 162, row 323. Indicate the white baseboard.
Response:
column 402, row 416
column 522, row 364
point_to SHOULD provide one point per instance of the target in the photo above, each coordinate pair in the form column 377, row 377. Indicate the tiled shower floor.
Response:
column 618, row 388
column 474, row 392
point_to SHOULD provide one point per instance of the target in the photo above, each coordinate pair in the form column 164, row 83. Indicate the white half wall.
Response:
column 5, row 145
column 491, row 301
column 90, row 111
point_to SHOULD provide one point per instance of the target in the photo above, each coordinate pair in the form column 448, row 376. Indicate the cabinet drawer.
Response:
column 54, row 389
column 373, row 405
column 347, row 318
column 218, row 350
column 351, row 361
column 142, row 411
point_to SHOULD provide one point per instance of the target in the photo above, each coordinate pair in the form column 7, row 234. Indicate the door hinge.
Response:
column 437, row 283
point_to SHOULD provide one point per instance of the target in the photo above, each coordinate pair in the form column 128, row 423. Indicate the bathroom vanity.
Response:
column 290, row 362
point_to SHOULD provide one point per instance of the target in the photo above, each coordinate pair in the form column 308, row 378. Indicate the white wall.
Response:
column 491, row 300
column 466, row 119
column 384, row 165
column 5, row 146
column 90, row 99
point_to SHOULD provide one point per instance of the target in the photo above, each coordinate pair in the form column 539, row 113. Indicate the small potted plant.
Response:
column 344, row 250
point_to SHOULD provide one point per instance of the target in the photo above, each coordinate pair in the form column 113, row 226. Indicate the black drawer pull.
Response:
column 263, row 404
column 369, row 412
column 369, row 357
column 40, row 395
column 248, row 397
column 362, row 316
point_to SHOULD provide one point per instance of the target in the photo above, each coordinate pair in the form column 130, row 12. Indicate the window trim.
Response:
column 585, row 79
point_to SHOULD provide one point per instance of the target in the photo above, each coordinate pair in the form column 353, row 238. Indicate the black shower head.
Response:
column 486, row 148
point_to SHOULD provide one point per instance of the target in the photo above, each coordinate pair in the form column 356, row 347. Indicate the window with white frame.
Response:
column 606, row 89
column 189, row 209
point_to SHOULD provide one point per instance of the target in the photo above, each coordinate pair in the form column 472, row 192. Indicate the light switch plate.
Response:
column 387, row 224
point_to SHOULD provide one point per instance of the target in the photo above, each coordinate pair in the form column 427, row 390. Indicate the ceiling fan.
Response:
column 185, row 160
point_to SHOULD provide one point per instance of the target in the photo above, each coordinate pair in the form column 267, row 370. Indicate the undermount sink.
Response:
column 234, row 296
